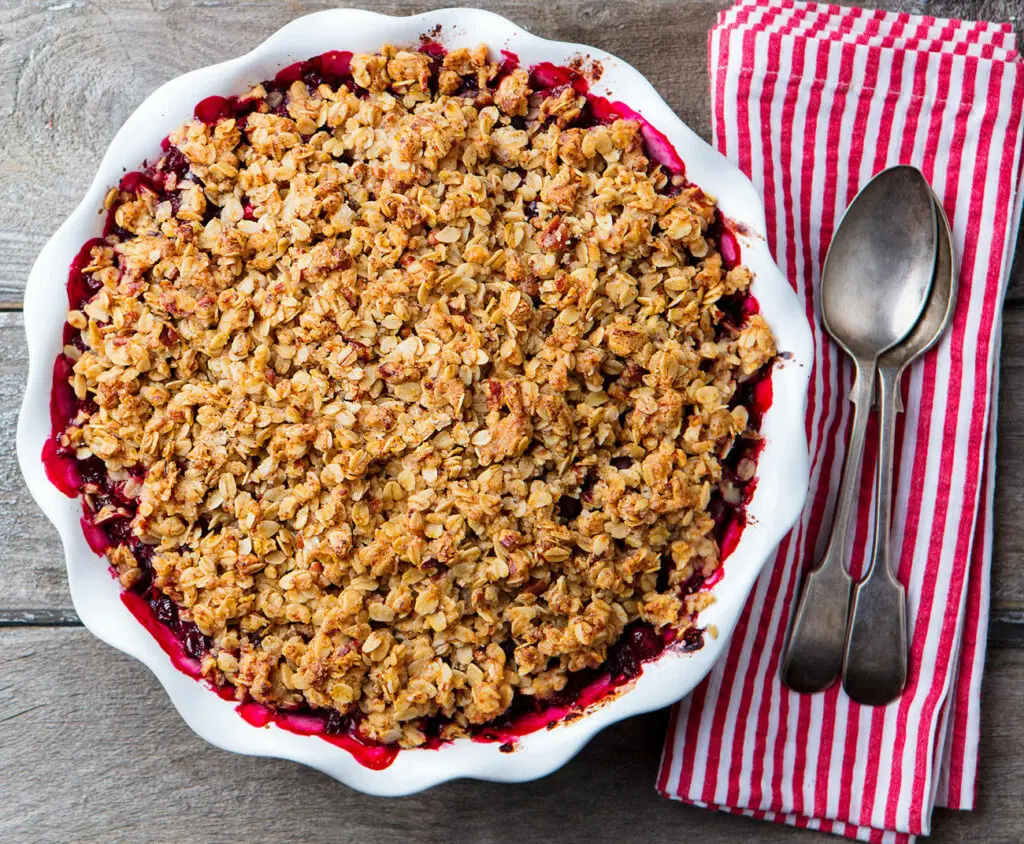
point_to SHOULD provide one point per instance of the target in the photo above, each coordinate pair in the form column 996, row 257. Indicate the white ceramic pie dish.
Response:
column 782, row 467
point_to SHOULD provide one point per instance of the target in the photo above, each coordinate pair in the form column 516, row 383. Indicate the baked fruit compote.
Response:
column 414, row 395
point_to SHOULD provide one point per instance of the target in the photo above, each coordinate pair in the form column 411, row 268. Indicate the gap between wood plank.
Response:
column 1006, row 628
column 39, row 618
column 1006, row 624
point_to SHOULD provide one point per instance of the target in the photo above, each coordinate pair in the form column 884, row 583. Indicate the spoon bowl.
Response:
column 938, row 310
column 879, row 268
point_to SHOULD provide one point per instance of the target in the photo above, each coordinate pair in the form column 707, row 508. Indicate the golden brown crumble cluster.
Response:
column 417, row 416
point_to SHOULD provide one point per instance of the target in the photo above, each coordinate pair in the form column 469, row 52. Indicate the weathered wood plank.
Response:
column 1008, row 551
column 31, row 560
column 98, row 753
column 71, row 72
column 32, row 566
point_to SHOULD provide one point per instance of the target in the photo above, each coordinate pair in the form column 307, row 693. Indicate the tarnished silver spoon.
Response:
column 875, row 666
column 874, row 286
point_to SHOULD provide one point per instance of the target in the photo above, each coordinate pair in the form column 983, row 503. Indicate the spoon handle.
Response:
column 875, row 666
column 814, row 653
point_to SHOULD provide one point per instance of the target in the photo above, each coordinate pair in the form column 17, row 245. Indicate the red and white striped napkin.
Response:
column 811, row 101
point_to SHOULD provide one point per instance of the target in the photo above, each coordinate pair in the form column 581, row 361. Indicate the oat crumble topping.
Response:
column 421, row 387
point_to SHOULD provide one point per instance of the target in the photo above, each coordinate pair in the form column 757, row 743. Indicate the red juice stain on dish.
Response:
column 287, row 75
column 335, row 64
column 370, row 755
column 731, row 539
column 726, row 230
column 763, row 396
column 137, row 181
column 182, row 642
column 553, row 78
column 212, row 109
column 713, row 579
column 63, row 403
column 139, row 607
column 511, row 730
column 756, row 395
column 509, row 62
column 61, row 470
column 729, row 247
column 433, row 49
column 95, row 536
column 59, row 463
column 256, row 714
column 659, row 148
column 332, row 68
column 81, row 288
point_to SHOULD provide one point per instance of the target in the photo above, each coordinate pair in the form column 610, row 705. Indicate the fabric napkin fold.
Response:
column 810, row 101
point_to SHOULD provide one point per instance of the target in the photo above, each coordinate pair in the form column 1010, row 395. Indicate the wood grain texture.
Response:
column 1008, row 553
column 31, row 560
column 98, row 754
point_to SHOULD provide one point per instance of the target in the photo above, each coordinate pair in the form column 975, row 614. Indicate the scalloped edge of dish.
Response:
column 783, row 465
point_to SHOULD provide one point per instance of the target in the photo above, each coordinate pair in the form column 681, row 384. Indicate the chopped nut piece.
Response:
column 512, row 96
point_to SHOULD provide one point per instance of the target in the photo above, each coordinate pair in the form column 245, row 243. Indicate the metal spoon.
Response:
column 874, row 286
column 875, row 667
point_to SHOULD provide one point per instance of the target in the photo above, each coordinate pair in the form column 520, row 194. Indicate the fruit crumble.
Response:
column 408, row 385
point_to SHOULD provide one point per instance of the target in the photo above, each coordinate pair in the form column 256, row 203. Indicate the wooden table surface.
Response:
column 90, row 747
